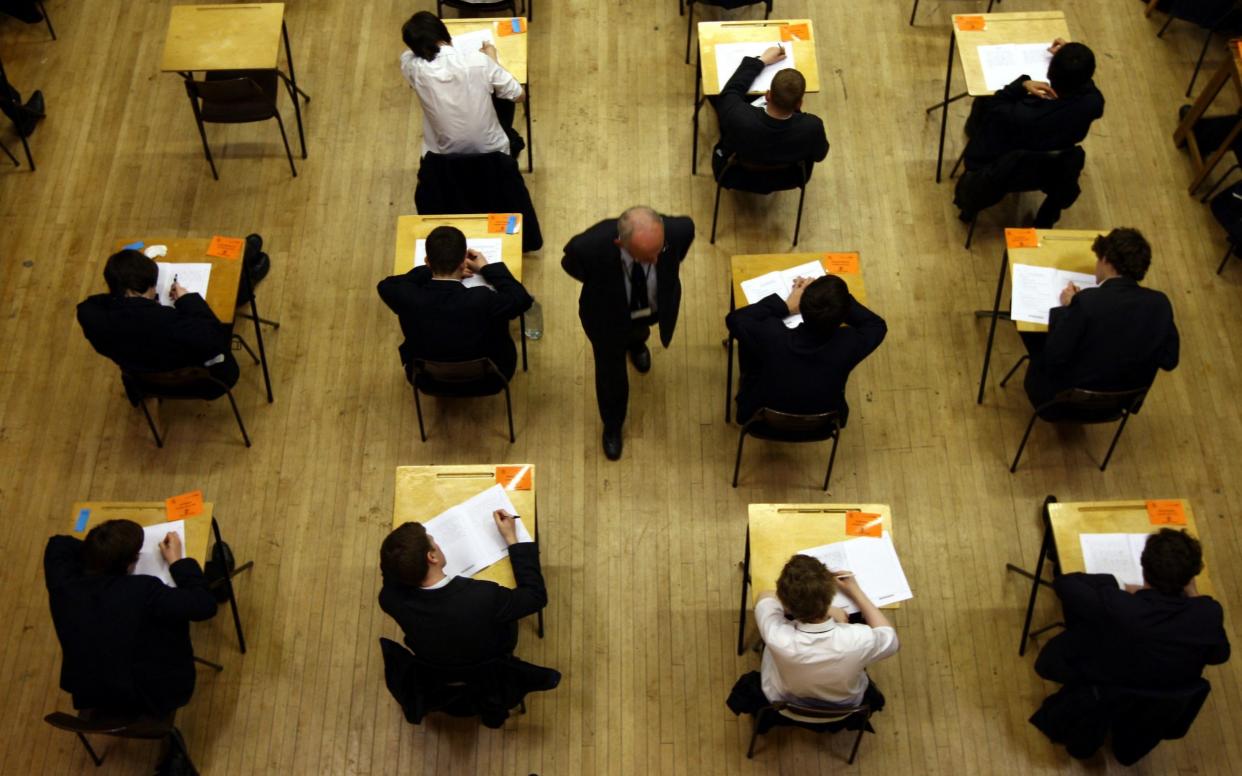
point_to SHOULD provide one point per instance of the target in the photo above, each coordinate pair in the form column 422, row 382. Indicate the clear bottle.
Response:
column 534, row 321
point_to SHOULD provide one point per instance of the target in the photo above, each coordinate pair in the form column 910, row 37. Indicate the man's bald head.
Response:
column 640, row 231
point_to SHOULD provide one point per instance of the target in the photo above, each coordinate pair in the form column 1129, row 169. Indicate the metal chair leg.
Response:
column 970, row 233
column 858, row 740
column 1207, row 40
column 90, row 750
column 1009, row 374
column 228, row 586
column 154, row 432
column 285, row 139
column 178, row 741
column 715, row 212
column 1122, row 427
column 1014, row 467
column 246, row 347
column 913, row 11
column 237, row 415
column 522, row 337
column 215, row 666
column 418, row 407
column 1217, row 184
column 202, row 133
column 960, row 158
column 754, row 734
column 798, row 223
column 1165, row 26
column 258, row 334
column 9, row 154
column 509, row 412
column 47, row 19
column 832, row 457
column 530, row 136
column 737, row 464
column 1228, row 253
column 689, row 27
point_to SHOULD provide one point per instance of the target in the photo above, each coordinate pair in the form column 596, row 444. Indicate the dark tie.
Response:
column 638, row 287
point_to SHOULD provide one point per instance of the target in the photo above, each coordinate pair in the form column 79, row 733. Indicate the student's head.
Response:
column 1125, row 250
column 408, row 553
column 1071, row 68
column 1171, row 559
column 805, row 588
column 130, row 270
column 423, row 33
column 787, row 89
column 640, row 231
column 112, row 547
column 446, row 250
column 824, row 303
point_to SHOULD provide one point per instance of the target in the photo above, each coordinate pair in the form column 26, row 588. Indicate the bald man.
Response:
column 628, row 268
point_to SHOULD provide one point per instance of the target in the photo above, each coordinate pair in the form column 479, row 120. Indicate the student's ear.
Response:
column 767, row 96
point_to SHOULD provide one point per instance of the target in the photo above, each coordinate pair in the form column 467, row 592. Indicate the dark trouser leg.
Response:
column 612, row 386
column 1048, row 214
column 638, row 336
column 506, row 111
column 1034, row 341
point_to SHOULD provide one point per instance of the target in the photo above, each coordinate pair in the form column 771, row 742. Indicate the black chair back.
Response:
column 1080, row 405
column 466, row 5
column 235, row 97
column 778, row 426
column 477, row 377
column 191, row 382
column 120, row 726
column 816, row 718
column 741, row 174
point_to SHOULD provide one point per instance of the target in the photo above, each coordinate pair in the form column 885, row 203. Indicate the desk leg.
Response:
column 522, row 337
column 228, row 585
column 987, row 352
column 729, row 363
column 1035, row 583
column 944, row 111
column 698, row 103
column 258, row 334
column 293, row 81
column 530, row 142
column 741, row 612
column 539, row 614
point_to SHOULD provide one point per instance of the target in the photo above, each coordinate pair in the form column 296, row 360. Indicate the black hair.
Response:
column 824, row 304
column 1170, row 560
column 423, row 33
column 130, row 270
column 403, row 555
column 111, row 546
column 446, row 248
column 1126, row 250
column 1071, row 68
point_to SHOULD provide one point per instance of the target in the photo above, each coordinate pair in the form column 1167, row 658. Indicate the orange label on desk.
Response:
column 514, row 477
column 841, row 263
column 863, row 524
column 795, row 32
column 514, row 26
column 1021, row 238
column 226, row 247
column 969, row 23
column 1166, row 512
column 184, row 505
column 497, row 223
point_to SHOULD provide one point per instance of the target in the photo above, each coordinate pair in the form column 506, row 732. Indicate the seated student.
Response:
column 467, row 97
column 442, row 319
column 777, row 133
column 25, row 117
column 125, row 638
column 1112, row 337
column 24, row 10
column 802, row 370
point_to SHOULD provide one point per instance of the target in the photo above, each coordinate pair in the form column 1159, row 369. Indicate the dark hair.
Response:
column 111, row 547
column 787, row 89
column 824, row 303
column 805, row 588
column 1170, row 560
column 130, row 270
column 1071, row 68
column 1126, row 250
column 446, row 248
column 423, row 33
column 403, row 555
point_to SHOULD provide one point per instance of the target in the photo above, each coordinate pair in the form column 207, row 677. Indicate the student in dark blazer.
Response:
column 641, row 250
column 131, row 327
column 779, row 132
column 802, row 370
column 125, row 639
column 1111, row 337
column 444, row 320
column 453, row 621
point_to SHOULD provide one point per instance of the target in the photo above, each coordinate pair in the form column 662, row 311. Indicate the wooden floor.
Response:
column 641, row 556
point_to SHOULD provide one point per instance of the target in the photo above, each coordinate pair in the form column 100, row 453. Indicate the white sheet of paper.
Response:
column 781, row 284
column 1004, row 62
column 473, row 40
column 150, row 561
column 1118, row 554
column 467, row 533
column 874, row 564
column 192, row 277
column 730, row 55
column 490, row 247
column 1036, row 290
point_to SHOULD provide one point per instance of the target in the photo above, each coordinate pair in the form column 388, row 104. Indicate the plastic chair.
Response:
column 528, row 7
column 688, row 12
column 915, row 9
column 810, row 718
column 477, row 377
column 741, row 175
column 16, row 128
column 1227, row 210
column 146, row 728
column 192, row 382
column 1213, row 17
column 777, row 426
column 238, row 97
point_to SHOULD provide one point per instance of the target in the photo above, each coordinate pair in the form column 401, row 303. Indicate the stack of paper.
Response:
column 781, row 284
column 1004, row 62
column 473, row 40
column 192, row 277
column 874, row 565
column 150, row 559
column 730, row 55
column 467, row 533
column 1118, row 554
column 1036, row 290
column 488, row 246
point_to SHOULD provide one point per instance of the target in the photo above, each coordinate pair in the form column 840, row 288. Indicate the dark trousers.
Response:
column 612, row 380
column 506, row 111
column 1039, row 386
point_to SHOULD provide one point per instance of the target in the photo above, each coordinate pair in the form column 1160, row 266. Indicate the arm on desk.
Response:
column 746, row 323
column 530, row 595
column 189, row 600
column 504, row 85
column 734, row 93
column 511, row 298
column 1066, row 326
column 871, row 613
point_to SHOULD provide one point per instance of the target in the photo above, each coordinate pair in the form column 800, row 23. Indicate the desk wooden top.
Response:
column 751, row 266
column 1069, row 520
column 145, row 513
column 712, row 33
column 425, row 491
column 778, row 531
column 1067, row 249
column 225, row 273
column 223, row 37
column 411, row 229
column 998, row 28
column 510, row 49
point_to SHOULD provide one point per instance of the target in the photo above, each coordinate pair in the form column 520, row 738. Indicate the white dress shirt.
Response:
column 819, row 663
column 456, row 91
column 448, row 578
column 627, row 263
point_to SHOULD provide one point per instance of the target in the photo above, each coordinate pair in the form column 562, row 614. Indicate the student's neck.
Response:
column 456, row 276
column 776, row 113
column 433, row 575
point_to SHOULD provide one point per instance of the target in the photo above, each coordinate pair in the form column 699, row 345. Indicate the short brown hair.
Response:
column 446, row 250
column 787, row 89
column 130, row 270
column 403, row 555
column 805, row 588
column 1170, row 560
column 111, row 546
column 1126, row 250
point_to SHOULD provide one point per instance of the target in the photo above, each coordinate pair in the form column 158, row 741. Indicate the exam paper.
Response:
column 192, row 277
column 781, row 284
column 488, row 246
column 467, row 533
column 1036, row 290
column 1118, row 554
column 150, row 560
column 1006, row 61
column 473, row 40
column 874, row 564
column 730, row 55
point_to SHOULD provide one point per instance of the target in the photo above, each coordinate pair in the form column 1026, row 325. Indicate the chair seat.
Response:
column 242, row 111
column 484, row 386
column 761, row 430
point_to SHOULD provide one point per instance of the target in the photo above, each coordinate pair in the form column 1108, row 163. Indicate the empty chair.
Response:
column 688, row 12
column 818, row 719
column 915, row 9
column 477, row 377
column 193, row 382
column 528, row 7
column 1227, row 210
column 741, row 175
column 127, row 726
column 1055, row 173
column 238, row 97
column 786, row 427
column 477, row 183
column 1212, row 15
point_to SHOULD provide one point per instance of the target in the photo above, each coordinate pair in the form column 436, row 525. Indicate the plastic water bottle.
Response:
column 534, row 321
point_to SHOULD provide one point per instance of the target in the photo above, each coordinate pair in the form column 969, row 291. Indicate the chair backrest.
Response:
column 230, row 90
column 1041, row 170
column 768, row 423
column 176, row 383
column 817, row 715
column 1088, row 406
column 119, row 726
column 764, row 177
column 457, row 372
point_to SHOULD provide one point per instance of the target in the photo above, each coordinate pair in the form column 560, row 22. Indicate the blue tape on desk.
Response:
column 511, row 227
column 83, row 516
column 134, row 246
column 517, row 27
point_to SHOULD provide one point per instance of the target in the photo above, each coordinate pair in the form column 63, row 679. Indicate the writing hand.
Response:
column 170, row 548
column 795, row 294
column 772, row 55
column 488, row 49
column 1056, row 45
column 846, row 582
column 506, row 525
column 1067, row 293
column 176, row 291
column 1040, row 89
column 475, row 261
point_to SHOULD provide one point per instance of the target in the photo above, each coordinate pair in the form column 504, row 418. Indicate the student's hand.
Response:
column 1039, row 89
column 176, row 291
column 1067, row 293
column 1191, row 590
column 795, row 294
column 170, row 548
column 475, row 261
column 847, row 583
column 1056, row 45
column 773, row 55
column 488, row 49
column 1133, row 588
column 838, row 614
column 506, row 525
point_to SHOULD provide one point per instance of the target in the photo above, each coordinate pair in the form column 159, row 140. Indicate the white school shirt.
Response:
column 820, row 663
column 456, row 91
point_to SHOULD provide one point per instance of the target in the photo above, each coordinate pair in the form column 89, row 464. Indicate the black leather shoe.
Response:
column 612, row 445
column 29, row 114
column 641, row 359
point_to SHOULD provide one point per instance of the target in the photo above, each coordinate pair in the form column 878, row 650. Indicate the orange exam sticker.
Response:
column 496, row 222
column 514, row 477
column 969, row 23
column 863, row 524
column 184, row 505
column 795, row 32
column 1166, row 512
column 841, row 263
column 514, row 26
column 226, row 247
column 1021, row 238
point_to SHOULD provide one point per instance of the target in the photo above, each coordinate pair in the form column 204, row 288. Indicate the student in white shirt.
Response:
column 467, row 97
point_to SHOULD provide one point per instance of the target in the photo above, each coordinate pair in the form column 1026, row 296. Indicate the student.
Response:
column 442, row 319
column 467, row 97
column 802, row 370
column 1112, row 337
